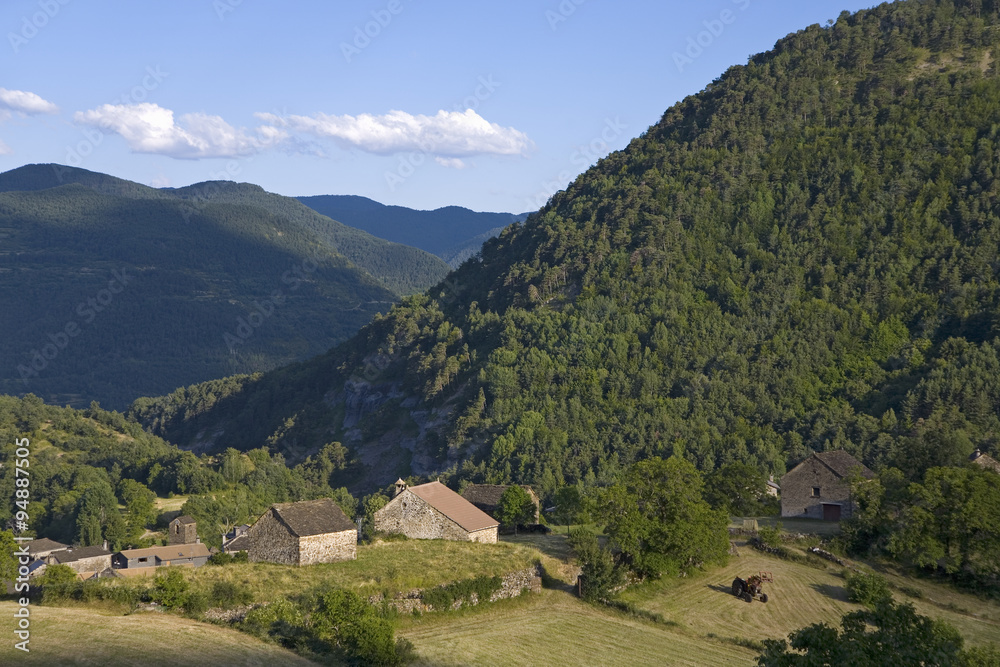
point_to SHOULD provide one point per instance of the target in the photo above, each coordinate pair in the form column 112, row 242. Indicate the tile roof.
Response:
column 241, row 543
column 842, row 463
column 313, row 517
column 184, row 519
column 454, row 506
column 169, row 552
column 489, row 494
column 44, row 544
column 79, row 553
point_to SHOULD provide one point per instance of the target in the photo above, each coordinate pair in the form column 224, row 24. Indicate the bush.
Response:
column 770, row 537
column 281, row 620
column 220, row 558
column 444, row 597
column 169, row 588
column 195, row 603
column 868, row 588
column 227, row 595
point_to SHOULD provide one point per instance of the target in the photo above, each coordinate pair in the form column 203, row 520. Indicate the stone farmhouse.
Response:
column 236, row 540
column 434, row 512
column 985, row 461
column 303, row 533
column 487, row 497
column 85, row 561
column 818, row 488
column 194, row 555
column 182, row 530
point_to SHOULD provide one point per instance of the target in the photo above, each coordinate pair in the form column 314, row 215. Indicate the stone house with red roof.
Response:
column 432, row 511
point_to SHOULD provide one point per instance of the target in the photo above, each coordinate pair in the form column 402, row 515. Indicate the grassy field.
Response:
column 83, row 636
column 386, row 567
column 170, row 504
column 800, row 595
column 555, row 628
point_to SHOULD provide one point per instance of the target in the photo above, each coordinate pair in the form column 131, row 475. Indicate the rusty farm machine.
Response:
column 752, row 587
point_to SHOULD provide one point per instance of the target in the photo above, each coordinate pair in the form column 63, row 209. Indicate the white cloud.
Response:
column 149, row 128
column 25, row 102
column 4, row 148
column 453, row 162
column 451, row 134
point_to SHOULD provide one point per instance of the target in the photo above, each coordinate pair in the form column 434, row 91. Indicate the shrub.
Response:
column 195, row 603
column 770, row 537
column 227, row 595
column 169, row 588
column 868, row 588
column 281, row 620
column 220, row 558
column 444, row 597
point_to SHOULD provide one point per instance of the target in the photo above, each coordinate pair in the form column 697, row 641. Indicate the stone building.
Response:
column 818, row 488
column 183, row 530
column 194, row 555
column 236, row 540
column 85, row 561
column 985, row 461
column 487, row 497
column 43, row 548
column 303, row 533
column 434, row 512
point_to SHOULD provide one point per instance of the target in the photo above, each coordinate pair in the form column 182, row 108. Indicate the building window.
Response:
column 815, row 493
column 143, row 560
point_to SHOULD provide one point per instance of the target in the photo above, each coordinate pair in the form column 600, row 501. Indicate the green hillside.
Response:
column 112, row 290
column 452, row 233
column 801, row 257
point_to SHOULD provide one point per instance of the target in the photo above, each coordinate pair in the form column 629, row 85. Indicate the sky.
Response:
column 490, row 105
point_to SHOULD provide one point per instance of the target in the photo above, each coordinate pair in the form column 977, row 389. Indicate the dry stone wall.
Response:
column 512, row 585
column 328, row 548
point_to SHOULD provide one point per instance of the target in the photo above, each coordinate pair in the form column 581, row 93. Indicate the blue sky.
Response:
column 489, row 105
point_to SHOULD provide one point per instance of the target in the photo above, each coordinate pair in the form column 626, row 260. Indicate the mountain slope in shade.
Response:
column 802, row 257
column 452, row 233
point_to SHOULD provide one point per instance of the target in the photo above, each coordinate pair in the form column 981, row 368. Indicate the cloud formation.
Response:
column 4, row 148
column 149, row 128
column 450, row 134
column 25, row 102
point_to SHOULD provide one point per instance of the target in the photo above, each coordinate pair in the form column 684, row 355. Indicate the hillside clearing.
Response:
column 84, row 636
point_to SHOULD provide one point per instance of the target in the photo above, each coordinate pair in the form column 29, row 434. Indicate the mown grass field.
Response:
column 85, row 636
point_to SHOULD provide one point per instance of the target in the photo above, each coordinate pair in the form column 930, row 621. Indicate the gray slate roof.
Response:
column 313, row 517
column 842, row 463
column 79, row 553
column 44, row 544
column 184, row 519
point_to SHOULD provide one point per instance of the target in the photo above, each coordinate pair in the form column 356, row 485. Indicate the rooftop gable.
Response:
column 313, row 517
column 169, row 552
column 454, row 506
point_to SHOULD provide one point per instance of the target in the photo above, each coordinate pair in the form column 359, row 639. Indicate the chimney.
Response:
column 400, row 487
column 105, row 545
column 975, row 455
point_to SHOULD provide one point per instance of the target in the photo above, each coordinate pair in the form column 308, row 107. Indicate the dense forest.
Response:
column 801, row 257
column 112, row 290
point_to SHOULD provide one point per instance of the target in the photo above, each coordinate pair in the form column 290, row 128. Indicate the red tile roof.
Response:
column 454, row 506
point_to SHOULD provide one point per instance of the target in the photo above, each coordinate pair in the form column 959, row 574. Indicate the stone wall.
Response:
column 512, row 585
column 271, row 541
column 93, row 564
column 797, row 486
column 412, row 516
column 328, row 548
column 485, row 536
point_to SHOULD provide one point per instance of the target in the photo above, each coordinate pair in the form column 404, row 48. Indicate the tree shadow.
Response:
column 835, row 592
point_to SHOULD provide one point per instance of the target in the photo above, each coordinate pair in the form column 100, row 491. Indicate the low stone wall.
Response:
column 512, row 585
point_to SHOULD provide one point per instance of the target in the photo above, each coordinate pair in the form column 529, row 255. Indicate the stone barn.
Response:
column 818, row 488
column 303, row 533
column 85, row 561
column 487, row 497
column 183, row 530
column 434, row 512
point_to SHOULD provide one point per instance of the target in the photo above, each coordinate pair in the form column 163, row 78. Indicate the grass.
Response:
column 801, row 594
column 170, row 504
column 386, row 567
column 555, row 628
column 83, row 636
column 805, row 526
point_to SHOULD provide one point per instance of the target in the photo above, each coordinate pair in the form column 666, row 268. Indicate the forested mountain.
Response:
column 452, row 233
column 801, row 257
column 111, row 290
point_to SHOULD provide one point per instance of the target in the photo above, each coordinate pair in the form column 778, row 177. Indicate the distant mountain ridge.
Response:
column 453, row 233
column 110, row 289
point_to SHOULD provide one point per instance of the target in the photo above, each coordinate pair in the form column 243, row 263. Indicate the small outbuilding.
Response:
column 487, row 497
column 985, row 461
column 819, row 487
column 194, row 555
column 434, row 512
column 303, row 533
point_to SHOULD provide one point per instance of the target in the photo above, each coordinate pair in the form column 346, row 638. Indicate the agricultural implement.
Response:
column 752, row 587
